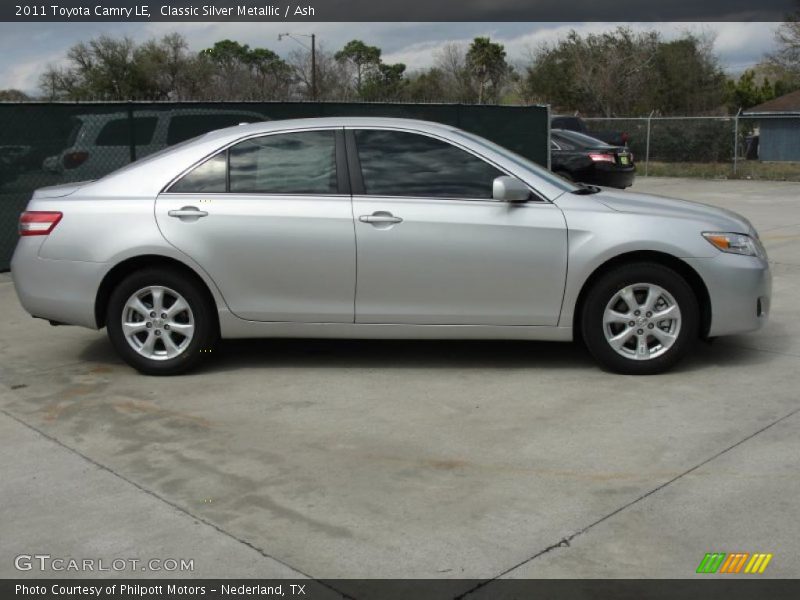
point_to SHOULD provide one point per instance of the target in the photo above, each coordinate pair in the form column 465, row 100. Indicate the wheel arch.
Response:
column 136, row 263
column 685, row 270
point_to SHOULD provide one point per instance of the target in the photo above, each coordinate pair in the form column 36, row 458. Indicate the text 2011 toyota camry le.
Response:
column 380, row 228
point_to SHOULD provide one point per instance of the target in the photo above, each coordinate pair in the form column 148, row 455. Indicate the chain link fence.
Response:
column 754, row 146
column 44, row 144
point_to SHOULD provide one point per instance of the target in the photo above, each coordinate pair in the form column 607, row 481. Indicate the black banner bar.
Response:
column 734, row 587
column 407, row 11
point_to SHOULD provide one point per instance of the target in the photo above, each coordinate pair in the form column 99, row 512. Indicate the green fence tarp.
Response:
column 34, row 137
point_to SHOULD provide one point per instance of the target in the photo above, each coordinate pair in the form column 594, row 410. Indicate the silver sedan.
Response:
column 380, row 228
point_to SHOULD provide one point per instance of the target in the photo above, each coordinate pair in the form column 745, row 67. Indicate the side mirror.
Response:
column 510, row 189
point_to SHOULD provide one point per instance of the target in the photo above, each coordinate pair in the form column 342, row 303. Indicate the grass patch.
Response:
column 745, row 169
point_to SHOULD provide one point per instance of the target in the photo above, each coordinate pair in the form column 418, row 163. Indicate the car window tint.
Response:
column 289, row 163
column 117, row 132
column 184, row 127
column 397, row 163
column 207, row 177
column 563, row 142
column 581, row 140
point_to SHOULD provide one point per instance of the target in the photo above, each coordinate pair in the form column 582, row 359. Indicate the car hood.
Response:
column 59, row 191
column 647, row 204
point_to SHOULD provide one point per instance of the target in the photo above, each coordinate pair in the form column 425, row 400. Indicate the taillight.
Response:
column 38, row 222
column 601, row 157
column 72, row 160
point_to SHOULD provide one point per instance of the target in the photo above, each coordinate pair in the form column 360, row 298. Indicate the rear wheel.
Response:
column 640, row 319
column 161, row 321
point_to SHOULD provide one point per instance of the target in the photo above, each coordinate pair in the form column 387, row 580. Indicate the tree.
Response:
column 12, row 95
column 622, row 72
column 229, row 59
column 101, row 68
column 486, row 62
column 786, row 58
column 686, row 77
column 386, row 82
column 173, row 72
column 427, row 86
column 746, row 92
column 244, row 73
column 451, row 62
column 361, row 58
column 332, row 81
column 271, row 74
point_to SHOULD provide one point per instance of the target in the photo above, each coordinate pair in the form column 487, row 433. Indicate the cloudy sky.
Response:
column 27, row 48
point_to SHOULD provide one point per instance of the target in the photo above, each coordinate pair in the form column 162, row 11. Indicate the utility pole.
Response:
column 313, row 49
column 313, row 66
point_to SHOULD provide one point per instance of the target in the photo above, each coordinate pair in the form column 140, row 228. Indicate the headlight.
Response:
column 735, row 243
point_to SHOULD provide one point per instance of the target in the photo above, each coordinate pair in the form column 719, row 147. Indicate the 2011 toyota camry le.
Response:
column 380, row 228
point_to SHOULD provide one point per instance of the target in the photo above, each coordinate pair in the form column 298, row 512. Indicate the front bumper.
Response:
column 740, row 289
column 57, row 290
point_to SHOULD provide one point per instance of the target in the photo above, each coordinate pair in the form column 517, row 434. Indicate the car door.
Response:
column 435, row 248
column 270, row 220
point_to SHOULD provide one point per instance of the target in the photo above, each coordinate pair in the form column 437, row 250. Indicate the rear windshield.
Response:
column 580, row 139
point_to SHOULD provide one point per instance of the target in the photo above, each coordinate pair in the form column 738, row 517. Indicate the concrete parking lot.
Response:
column 334, row 459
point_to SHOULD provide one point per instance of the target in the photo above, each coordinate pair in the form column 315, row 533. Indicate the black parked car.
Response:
column 615, row 138
column 585, row 159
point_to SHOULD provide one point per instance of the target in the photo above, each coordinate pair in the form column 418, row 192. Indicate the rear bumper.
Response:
column 58, row 290
column 615, row 178
column 740, row 289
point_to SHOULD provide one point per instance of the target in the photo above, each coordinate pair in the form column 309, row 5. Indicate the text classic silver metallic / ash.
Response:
column 380, row 228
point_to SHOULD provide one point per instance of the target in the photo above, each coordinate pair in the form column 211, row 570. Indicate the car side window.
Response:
column 118, row 133
column 207, row 177
column 399, row 163
column 287, row 163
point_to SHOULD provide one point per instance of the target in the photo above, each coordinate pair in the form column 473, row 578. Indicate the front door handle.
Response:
column 380, row 218
column 191, row 212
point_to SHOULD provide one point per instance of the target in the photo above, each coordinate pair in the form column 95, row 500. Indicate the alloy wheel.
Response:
column 158, row 323
column 642, row 321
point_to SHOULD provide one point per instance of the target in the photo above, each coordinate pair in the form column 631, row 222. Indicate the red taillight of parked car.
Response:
column 597, row 157
column 38, row 222
column 73, row 160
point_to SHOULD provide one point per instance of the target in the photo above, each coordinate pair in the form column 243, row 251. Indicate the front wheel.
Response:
column 161, row 322
column 640, row 319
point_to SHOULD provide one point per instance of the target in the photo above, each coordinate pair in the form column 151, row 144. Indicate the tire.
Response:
column 154, row 345
column 606, row 319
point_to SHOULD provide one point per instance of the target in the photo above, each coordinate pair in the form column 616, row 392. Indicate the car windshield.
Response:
column 523, row 162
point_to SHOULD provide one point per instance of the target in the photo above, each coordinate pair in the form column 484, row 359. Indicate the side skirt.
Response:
column 234, row 327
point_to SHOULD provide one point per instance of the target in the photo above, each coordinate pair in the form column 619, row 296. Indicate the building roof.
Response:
column 788, row 103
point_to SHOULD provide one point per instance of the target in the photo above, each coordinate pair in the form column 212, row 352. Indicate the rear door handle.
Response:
column 380, row 218
column 188, row 211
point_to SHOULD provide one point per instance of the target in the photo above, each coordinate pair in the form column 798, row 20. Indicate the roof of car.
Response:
column 278, row 125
